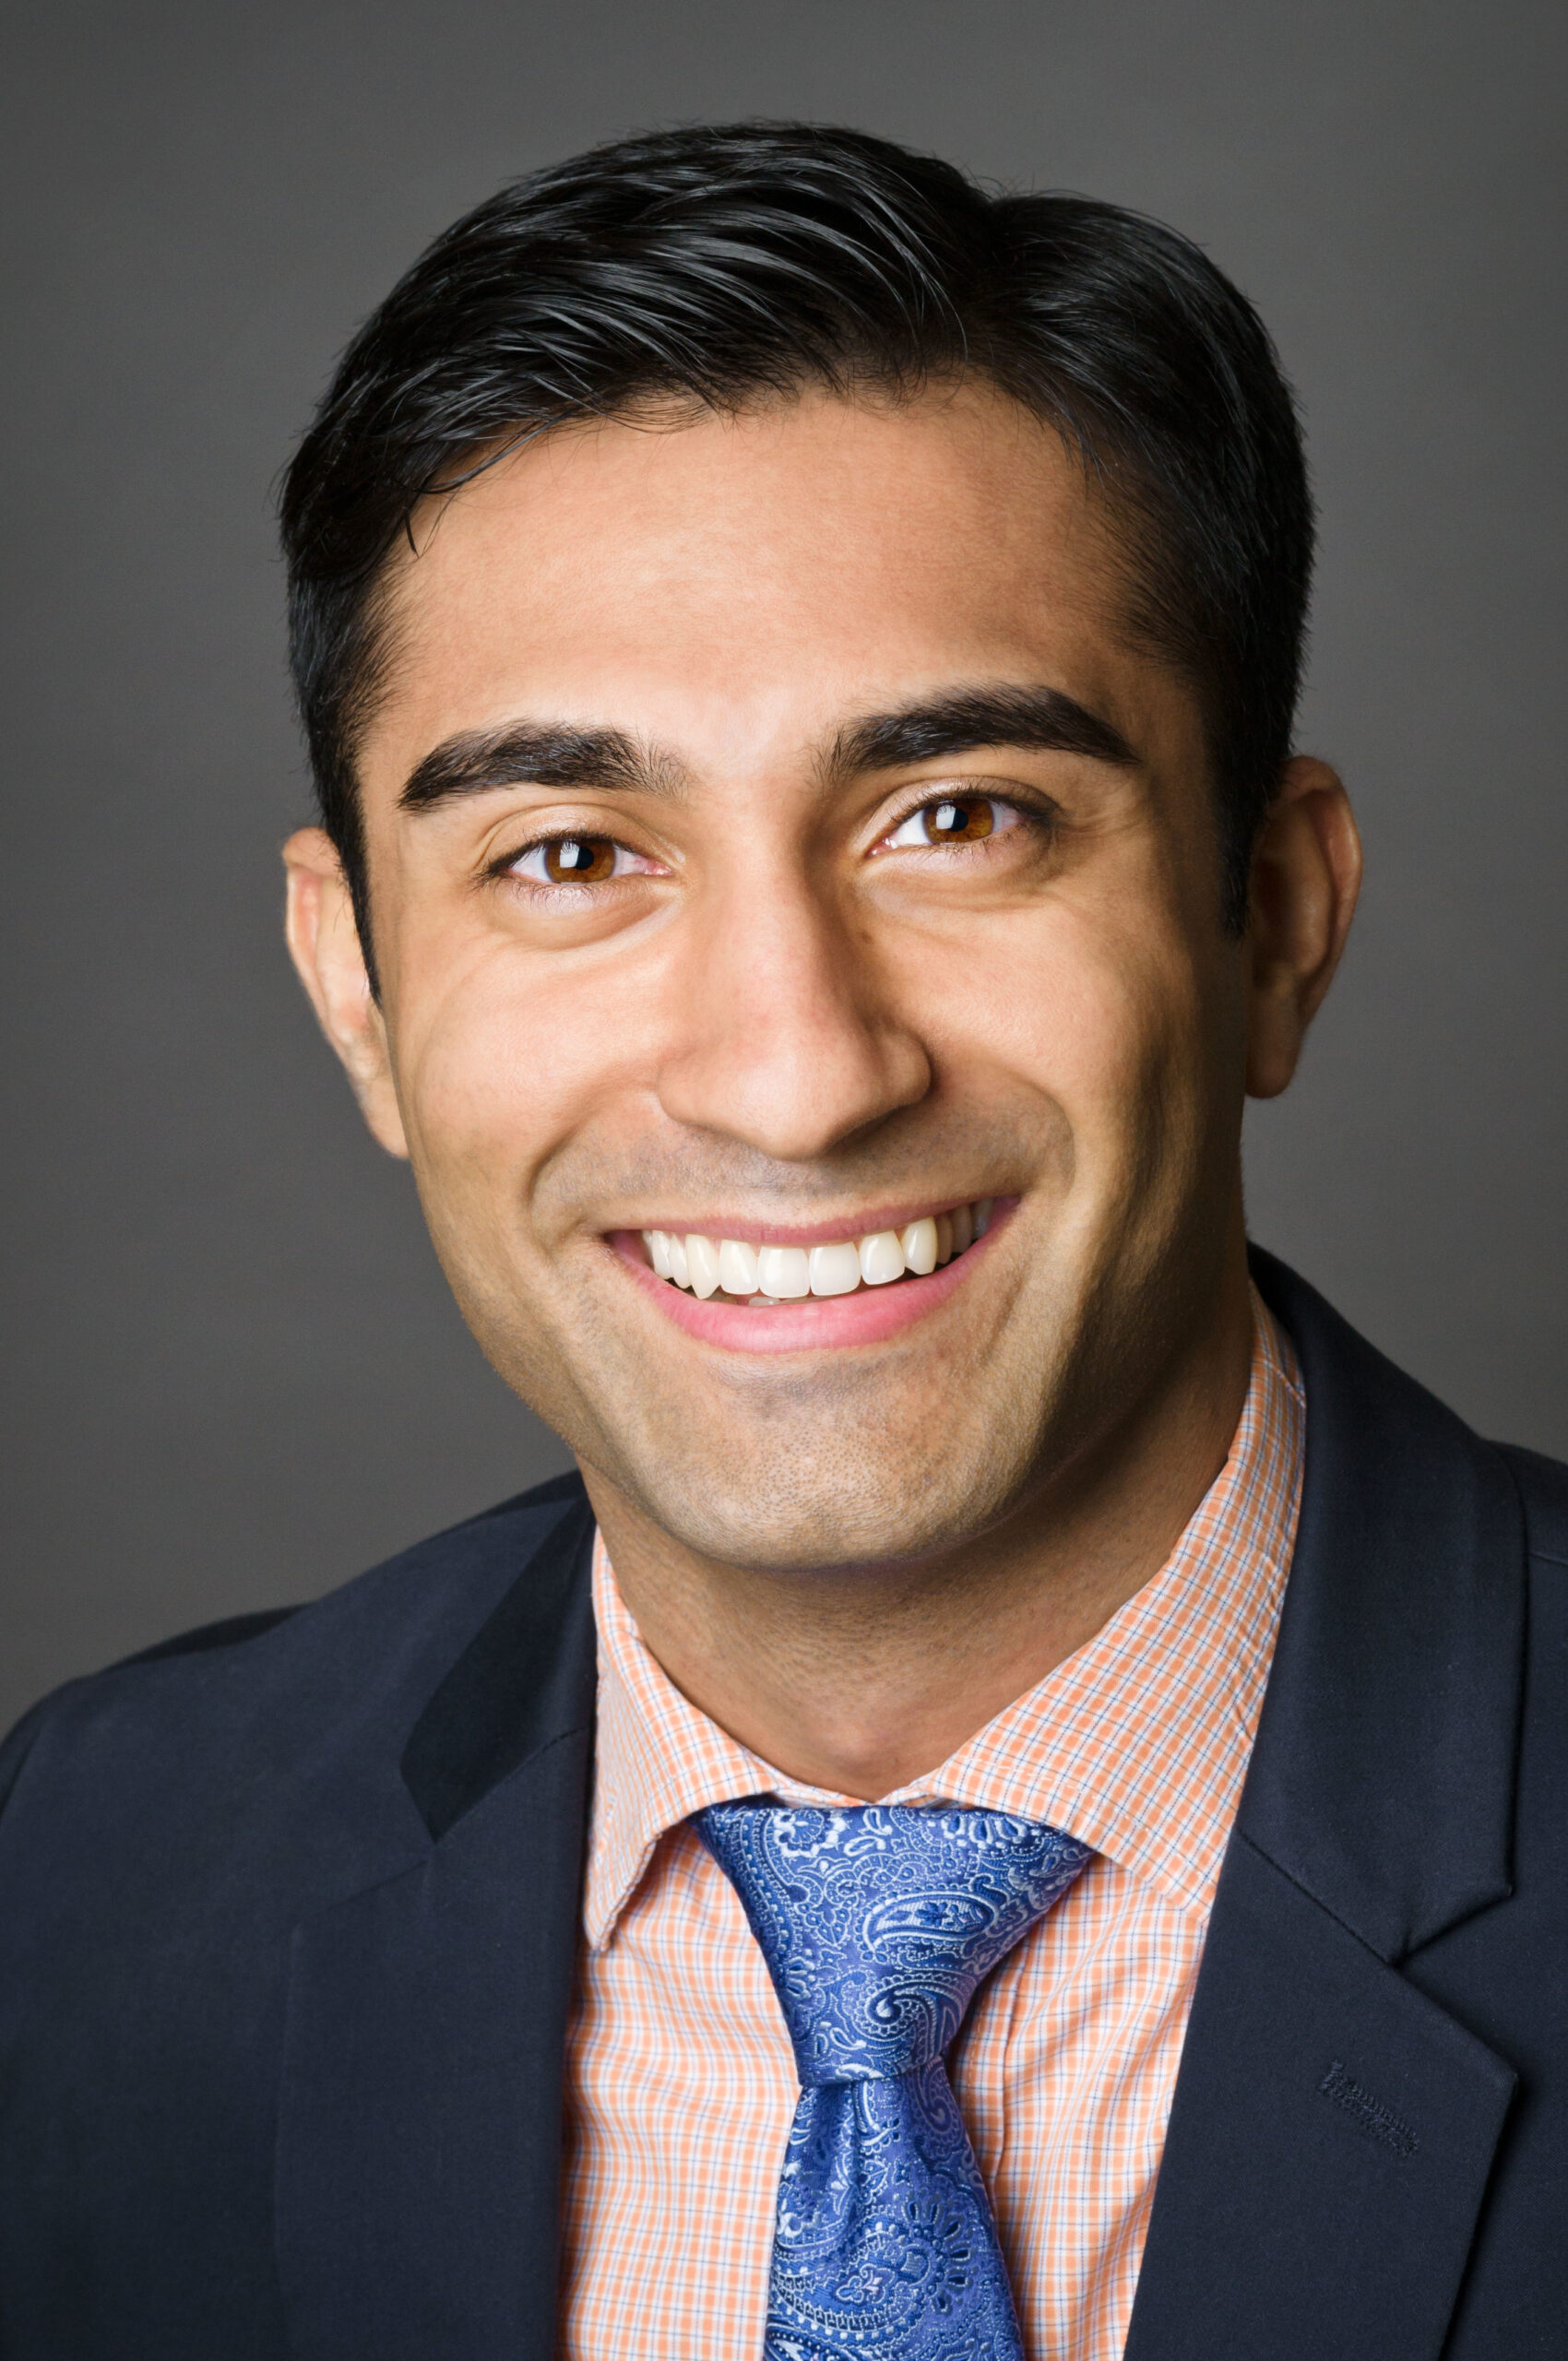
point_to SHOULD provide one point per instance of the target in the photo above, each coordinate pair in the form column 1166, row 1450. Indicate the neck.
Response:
column 860, row 1681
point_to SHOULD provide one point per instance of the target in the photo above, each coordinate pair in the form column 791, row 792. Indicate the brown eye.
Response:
column 963, row 822
column 579, row 861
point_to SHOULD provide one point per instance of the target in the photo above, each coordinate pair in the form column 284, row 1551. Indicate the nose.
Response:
column 786, row 1042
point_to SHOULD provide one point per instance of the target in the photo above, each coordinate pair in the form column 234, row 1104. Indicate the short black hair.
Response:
column 720, row 264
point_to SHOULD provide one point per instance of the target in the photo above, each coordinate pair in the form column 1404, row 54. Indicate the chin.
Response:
column 791, row 1513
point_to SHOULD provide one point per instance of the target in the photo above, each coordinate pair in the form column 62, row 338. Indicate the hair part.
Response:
column 713, row 267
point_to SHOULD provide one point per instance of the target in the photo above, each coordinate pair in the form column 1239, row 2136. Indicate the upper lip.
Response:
column 859, row 1224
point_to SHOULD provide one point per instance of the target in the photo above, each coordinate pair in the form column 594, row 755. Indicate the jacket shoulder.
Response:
column 1543, row 1489
column 354, row 1655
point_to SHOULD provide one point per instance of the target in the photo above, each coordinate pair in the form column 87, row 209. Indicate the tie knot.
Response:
column 878, row 1922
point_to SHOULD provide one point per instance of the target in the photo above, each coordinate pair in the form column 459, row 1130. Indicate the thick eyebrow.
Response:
column 528, row 753
column 964, row 719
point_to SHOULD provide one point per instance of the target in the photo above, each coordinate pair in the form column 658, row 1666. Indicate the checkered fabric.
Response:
column 681, row 2080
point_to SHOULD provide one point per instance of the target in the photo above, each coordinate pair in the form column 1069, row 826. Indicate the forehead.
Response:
column 759, row 572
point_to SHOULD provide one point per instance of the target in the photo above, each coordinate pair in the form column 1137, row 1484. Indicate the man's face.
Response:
column 740, row 893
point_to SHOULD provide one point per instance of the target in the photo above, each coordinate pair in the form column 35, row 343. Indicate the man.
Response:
column 1016, row 1806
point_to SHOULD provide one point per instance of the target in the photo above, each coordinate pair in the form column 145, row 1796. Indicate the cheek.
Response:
column 1099, row 1020
column 494, row 1063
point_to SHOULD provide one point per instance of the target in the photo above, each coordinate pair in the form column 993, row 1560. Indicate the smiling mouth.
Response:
column 737, row 1271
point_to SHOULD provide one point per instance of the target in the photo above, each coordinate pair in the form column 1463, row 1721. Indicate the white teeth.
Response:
column 918, row 1243
column 737, row 1267
column 882, row 1258
column 701, row 1264
column 783, row 1271
column 835, row 1270
column 769, row 1274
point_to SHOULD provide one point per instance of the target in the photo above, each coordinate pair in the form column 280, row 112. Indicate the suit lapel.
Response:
column 1332, row 2129
column 420, row 2129
column 1327, row 2149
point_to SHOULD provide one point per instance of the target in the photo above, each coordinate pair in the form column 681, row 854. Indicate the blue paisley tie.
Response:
column 877, row 1924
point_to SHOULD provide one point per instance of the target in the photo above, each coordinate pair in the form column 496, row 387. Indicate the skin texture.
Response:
column 772, row 1020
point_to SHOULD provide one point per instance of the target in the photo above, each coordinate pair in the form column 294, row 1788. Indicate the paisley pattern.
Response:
column 878, row 1925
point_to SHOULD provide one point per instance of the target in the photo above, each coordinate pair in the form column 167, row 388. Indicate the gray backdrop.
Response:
column 236, row 1375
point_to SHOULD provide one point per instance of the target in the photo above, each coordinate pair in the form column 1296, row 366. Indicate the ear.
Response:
column 1306, row 875
column 324, row 943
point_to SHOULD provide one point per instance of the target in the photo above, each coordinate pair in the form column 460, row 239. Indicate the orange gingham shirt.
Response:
column 680, row 2080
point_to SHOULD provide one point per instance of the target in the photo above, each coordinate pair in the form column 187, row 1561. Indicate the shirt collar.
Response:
column 1137, row 1745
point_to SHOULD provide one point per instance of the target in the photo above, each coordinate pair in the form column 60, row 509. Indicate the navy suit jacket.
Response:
column 288, row 1910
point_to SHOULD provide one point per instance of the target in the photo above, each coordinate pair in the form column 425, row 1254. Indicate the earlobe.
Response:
column 1306, row 877
column 323, row 943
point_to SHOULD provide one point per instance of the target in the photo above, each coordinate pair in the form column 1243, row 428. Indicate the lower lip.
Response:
column 818, row 1323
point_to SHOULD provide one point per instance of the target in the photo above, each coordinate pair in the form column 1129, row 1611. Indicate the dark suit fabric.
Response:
column 288, row 1915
